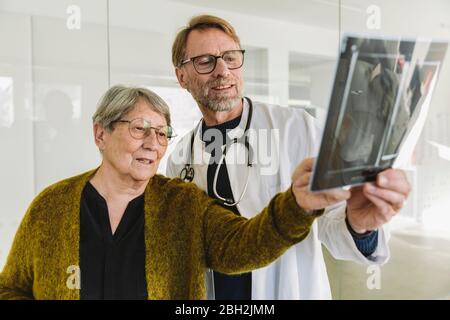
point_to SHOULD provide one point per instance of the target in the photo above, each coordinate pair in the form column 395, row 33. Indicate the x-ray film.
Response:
column 382, row 89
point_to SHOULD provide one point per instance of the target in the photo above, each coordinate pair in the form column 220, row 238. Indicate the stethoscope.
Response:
column 187, row 173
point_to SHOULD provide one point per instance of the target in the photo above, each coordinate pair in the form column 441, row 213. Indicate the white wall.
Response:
column 16, row 129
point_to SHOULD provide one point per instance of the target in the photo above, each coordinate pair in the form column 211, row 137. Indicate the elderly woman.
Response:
column 123, row 232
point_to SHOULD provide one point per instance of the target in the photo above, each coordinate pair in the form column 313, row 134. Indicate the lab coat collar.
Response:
column 239, row 130
column 200, row 161
column 199, row 156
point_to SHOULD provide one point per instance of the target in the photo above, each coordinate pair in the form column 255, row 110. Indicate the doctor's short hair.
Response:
column 201, row 22
column 119, row 100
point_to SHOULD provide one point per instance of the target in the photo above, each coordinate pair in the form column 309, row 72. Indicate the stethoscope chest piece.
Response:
column 187, row 173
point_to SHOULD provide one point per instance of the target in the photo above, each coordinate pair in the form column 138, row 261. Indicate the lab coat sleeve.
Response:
column 334, row 234
column 177, row 158
column 170, row 168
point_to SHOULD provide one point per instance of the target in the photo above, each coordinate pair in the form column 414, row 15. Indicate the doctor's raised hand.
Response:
column 374, row 204
column 368, row 206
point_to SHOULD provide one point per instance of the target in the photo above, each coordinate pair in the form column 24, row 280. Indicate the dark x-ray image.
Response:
column 379, row 88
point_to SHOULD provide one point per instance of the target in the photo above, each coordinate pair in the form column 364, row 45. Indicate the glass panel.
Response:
column 52, row 73
column 420, row 241
column 16, row 128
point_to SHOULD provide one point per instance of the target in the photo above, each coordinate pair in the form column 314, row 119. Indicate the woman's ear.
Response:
column 99, row 136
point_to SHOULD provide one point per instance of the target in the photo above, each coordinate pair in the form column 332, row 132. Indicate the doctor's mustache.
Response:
column 220, row 82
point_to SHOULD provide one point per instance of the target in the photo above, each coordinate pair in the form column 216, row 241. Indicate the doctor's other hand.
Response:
column 374, row 204
column 313, row 200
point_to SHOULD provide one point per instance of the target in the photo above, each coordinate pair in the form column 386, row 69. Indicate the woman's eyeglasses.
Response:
column 140, row 128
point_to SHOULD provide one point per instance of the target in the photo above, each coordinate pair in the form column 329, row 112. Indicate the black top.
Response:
column 226, row 287
column 112, row 266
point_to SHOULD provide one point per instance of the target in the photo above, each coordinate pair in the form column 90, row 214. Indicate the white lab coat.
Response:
column 300, row 273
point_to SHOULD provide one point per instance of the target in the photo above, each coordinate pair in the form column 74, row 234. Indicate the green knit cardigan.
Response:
column 185, row 233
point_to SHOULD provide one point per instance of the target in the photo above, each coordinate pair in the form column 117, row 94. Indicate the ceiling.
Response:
column 326, row 13
column 323, row 13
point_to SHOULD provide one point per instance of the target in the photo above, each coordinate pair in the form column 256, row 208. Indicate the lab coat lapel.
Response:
column 237, row 168
column 200, row 162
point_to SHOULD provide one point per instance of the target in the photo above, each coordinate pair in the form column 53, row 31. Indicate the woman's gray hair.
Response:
column 119, row 100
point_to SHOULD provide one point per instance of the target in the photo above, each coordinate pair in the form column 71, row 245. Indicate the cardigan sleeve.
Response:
column 16, row 279
column 234, row 244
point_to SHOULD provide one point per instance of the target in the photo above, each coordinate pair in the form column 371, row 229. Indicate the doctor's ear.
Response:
column 99, row 136
column 181, row 77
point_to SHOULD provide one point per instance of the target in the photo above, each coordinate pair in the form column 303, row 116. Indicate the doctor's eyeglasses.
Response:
column 204, row 64
column 140, row 128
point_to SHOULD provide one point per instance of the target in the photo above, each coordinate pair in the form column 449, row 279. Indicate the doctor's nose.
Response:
column 221, row 68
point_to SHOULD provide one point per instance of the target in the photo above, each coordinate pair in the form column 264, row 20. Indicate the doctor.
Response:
column 235, row 154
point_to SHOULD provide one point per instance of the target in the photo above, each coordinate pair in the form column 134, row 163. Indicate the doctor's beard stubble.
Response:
column 203, row 94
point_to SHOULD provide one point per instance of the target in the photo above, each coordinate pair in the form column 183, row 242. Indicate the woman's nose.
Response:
column 151, row 138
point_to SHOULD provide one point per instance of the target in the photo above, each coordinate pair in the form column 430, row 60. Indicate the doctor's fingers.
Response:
column 385, row 210
column 393, row 198
column 394, row 180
